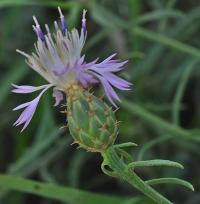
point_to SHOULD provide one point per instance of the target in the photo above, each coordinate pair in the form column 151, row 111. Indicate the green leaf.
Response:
column 77, row 162
column 159, row 14
column 174, row 44
column 138, row 200
column 155, row 162
column 172, row 181
column 34, row 151
column 52, row 191
column 12, row 76
column 158, row 122
column 181, row 88
column 124, row 155
column 54, row 4
column 106, row 18
column 127, row 144
column 150, row 144
column 47, row 124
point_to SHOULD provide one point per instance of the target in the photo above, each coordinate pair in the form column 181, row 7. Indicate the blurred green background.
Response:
column 161, row 113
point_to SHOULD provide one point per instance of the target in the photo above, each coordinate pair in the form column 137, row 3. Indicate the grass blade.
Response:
column 180, row 90
column 159, row 15
column 13, row 76
column 172, row 43
column 34, row 151
column 54, row 4
column 52, row 191
column 159, row 122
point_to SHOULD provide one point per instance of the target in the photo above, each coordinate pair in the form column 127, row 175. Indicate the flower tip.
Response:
column 23, row 129
column 119, row 100
column 36, row 21
column 60, row 11
column 63, row 22
column 111, row 56
column 84, row 21
column 17, row 123
column 14, row 85
column 22, row 53
column 56, row 25
column 114, row 104
column 14, row 109
column 34, row 27
column 84, row 12
column 47, row 29
column 19, row 51
column 13, row 91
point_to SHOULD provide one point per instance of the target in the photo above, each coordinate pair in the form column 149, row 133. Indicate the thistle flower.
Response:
column 58, row 59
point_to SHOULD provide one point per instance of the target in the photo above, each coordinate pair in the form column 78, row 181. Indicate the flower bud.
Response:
column 91, row 122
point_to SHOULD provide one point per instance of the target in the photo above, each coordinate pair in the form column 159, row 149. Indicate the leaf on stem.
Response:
column 172, row 181
column 126, row 144
column 155, row 162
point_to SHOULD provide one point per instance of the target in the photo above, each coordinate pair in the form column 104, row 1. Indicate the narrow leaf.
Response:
column 155, row 162
column 127, row 144
column 54, row 4
column 159, row 14
column 52, row 191
column 172, row 181
column 172, row 43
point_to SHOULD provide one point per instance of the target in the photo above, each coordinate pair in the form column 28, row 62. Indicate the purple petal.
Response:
column 90, row 64
column 38, row 30
column 104, row 72
column 80, row 61
column 22, row 106
column 109, row 58
column 84, row 22
column 26, row 89
column 110, row 92
column 63, row 22
column 108, row 67
column 117, row 81
column 58, row 96
column 29, row 110
column 86, row 79
column 28, row 113
column 60, row 72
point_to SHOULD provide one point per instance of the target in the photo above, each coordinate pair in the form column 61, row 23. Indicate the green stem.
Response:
column 55, row 192
column 121, row 169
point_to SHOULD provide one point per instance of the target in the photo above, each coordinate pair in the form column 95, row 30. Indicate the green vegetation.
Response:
column 161, row 113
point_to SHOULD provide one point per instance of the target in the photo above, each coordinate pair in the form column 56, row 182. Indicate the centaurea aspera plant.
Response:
column 91, row 121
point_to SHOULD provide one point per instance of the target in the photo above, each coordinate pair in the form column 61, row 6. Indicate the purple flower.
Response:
column 58, row 59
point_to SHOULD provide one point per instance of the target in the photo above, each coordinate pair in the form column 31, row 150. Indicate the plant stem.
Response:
column 120, row 168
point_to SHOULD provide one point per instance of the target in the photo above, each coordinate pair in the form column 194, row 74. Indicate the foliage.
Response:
column 161, row 114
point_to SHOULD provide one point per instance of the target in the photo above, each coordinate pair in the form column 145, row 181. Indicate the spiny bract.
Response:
column 91, row 122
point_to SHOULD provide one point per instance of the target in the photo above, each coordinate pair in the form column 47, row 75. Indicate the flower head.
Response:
column 58, row 59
